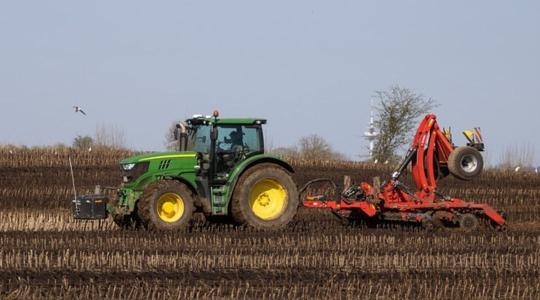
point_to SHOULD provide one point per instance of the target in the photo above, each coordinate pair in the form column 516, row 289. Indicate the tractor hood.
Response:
column 157, row 155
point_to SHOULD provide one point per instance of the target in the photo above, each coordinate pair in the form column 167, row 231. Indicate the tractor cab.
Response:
column 236, row 143
column 223, row 143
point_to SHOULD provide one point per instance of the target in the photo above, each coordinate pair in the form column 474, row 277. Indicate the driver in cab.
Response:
column 235, row 140
column 232, row 148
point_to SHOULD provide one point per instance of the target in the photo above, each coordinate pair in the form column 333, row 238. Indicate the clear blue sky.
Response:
column 307, row 66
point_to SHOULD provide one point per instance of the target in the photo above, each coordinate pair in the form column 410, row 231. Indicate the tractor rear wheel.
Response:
column 265, row 197
column 166, row 205
column 465, row 163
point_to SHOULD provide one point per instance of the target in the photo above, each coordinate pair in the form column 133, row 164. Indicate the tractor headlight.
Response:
column 128, row 167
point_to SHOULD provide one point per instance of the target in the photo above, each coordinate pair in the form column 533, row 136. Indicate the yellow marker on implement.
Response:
column 469, row 134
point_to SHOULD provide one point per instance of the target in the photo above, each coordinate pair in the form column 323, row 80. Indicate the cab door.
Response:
column 234, row 144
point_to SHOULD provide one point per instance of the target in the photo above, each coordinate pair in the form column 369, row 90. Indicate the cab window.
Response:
column 201, row 139
column 230, row 138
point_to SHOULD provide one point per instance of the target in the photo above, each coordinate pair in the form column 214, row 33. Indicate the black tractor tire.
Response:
column 465, row 163
column 247, row 187
column 469, row 223
column 156, row 192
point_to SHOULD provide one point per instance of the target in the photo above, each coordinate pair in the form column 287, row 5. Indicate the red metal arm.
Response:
column 430, row 146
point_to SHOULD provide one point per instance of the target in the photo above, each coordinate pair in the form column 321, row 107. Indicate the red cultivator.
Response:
column 432, row 157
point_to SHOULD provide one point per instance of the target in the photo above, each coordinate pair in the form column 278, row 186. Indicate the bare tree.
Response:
column 290, row 153
column 398, row 110
column 171, row 144
column 315, row 147
column 518, row 156
column 83, row 142
column 110, row 136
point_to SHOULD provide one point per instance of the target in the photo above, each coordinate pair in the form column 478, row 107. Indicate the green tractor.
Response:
column 221, row 169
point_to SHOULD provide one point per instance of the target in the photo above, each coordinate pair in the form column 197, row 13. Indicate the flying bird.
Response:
column 79, row 109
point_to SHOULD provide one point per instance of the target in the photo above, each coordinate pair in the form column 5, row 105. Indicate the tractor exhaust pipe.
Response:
column 181, row 135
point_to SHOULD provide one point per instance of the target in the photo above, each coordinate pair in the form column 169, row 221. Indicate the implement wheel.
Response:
column 166, row 205
column 468, row 223
column 265, row 197
column 465, row 163
column 440, row 219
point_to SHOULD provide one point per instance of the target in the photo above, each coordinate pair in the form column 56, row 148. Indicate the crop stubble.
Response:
column 44, row 253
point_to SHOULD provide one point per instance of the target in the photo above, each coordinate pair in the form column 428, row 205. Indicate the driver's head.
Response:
column 236, row 137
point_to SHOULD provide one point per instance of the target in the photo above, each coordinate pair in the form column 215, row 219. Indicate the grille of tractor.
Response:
column 164, row 164
column 136, row 172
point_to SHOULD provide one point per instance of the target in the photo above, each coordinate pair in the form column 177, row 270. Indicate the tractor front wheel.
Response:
column 265, row 197
column 166, row 205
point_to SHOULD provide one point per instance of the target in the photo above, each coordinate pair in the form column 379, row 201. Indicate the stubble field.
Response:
column 46, row 254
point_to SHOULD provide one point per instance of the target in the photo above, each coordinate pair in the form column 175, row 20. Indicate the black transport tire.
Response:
column 465, row 163
column 250, row 194
column 469, row 223
column 166, row 205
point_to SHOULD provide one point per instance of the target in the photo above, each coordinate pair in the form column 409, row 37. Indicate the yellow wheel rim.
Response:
column 268, row 199
column 170, row 207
